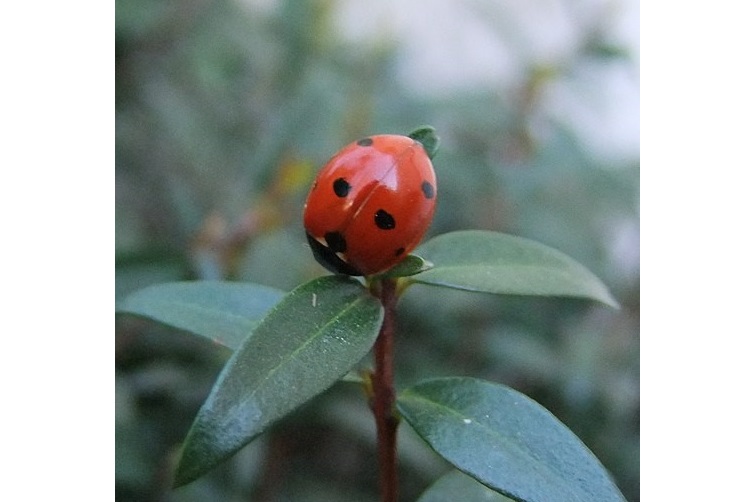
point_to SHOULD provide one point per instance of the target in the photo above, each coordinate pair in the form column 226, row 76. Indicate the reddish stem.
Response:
column 383, row 399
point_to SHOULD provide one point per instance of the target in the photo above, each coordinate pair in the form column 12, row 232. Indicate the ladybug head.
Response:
column 328, row 258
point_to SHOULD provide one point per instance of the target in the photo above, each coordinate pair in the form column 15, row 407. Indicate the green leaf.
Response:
column 505, row 440
column 307, row 342
column 492, row 262
column 223, row 312
column 455, row 486
column 427, row 136
column 411, row 265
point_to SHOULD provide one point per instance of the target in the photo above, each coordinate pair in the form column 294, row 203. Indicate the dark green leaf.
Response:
column 224, row 312
column 456, row 486
column 411, row 265
column 427, row 136
column 315, row 335
column 505, row 440
column 497, row 263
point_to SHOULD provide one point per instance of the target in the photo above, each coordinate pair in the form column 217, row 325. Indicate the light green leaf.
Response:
column 306, row 343
column 411, row 265
column 505, row 440
column 456, row 486
column 492, row 262
column 223, row 312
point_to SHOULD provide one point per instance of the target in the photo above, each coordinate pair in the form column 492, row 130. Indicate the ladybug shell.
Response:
column 370, row 205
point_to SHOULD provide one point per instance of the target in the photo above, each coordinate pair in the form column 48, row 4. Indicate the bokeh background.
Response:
column 225, row 110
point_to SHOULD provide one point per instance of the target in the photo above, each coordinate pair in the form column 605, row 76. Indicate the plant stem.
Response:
column 383, row 399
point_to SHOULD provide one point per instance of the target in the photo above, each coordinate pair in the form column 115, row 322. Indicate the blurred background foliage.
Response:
column 225, row 110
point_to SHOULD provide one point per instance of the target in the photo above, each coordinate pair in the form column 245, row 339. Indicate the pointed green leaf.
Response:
column 505, row 440
column 306, row 343
column 224, row 312
column 456, row 486
column 427, row 136
column 492, row 262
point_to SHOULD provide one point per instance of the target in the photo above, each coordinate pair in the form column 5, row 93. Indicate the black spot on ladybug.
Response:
column 341, row 187
column 384, row 220
column 428, row 189
column 336, row 242
column 399, row 251
column 365, row 142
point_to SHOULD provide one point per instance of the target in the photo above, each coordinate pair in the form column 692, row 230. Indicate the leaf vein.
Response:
column 293, row 355
column 502, row 438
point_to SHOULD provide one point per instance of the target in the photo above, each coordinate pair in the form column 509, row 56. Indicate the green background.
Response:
column 226, row 110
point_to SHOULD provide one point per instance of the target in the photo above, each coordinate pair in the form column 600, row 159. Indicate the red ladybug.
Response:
column 370, row 205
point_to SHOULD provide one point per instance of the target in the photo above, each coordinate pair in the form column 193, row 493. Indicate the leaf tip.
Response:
column 612, row 302
column 604, row 296
column 427, row 136
column 185, row 472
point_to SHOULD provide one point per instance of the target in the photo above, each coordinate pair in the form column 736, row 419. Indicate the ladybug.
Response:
column 370, row 205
